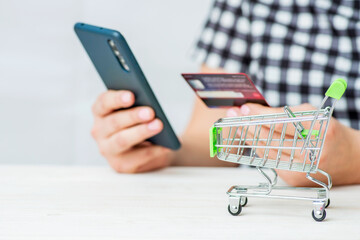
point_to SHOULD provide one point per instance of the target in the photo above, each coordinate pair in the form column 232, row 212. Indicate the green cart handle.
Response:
column 337, row 89
column 212, row 134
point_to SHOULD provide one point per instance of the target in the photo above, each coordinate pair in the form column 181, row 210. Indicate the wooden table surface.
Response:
column 66, row 202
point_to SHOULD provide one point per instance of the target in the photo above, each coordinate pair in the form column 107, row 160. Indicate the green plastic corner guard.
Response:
column 337, row 89
column 212, row 135
column 305, row 132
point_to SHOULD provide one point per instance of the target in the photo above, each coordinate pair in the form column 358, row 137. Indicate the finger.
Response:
column 120, row 120
column 129, row 137
column 274, row 140
column 257, row 109
column 112, row 100
column 144, row 144
column 260, row 138
column 288, row 130
column 285, row 146
column 141, row 159
column 251, row 109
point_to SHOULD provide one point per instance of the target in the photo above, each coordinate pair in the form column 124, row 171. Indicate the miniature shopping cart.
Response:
column 290, row 141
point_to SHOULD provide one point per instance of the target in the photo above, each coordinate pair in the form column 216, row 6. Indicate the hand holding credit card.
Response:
column 224, row 90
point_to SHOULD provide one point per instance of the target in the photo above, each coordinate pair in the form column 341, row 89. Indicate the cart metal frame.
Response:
column 244, row 139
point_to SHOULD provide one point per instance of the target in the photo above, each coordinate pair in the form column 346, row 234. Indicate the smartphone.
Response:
column 119, row 70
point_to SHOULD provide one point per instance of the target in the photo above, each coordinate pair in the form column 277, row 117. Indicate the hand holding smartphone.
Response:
column 119, row 70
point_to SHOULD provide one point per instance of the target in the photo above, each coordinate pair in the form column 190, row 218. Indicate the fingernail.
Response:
column 144, row 114
column 126, row 97
column 154, row 125
column 245, row 110
column 231, row 113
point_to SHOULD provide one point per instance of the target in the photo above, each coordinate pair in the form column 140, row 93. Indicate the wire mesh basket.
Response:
column 289, row 140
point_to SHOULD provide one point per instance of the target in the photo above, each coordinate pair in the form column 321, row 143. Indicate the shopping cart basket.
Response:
column 290, row 141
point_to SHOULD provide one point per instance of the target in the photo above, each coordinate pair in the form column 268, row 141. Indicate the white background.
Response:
column 48, row 84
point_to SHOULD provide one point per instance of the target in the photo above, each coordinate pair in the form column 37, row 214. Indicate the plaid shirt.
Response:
column 292, row 50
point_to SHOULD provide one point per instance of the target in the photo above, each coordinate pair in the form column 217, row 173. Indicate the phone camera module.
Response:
column 118, row 55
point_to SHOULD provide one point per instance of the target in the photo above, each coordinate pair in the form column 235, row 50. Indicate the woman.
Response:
column 291, row 49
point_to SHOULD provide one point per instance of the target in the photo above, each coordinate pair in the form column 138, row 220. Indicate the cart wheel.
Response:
column 317, row 217
column 327, row 203
column 234, row 212
column 243, row 201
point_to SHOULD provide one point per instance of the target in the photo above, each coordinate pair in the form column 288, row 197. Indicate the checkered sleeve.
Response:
column 292, row 50
column 221, row 43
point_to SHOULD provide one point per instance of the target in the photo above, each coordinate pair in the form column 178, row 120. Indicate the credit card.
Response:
column 224, row 90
